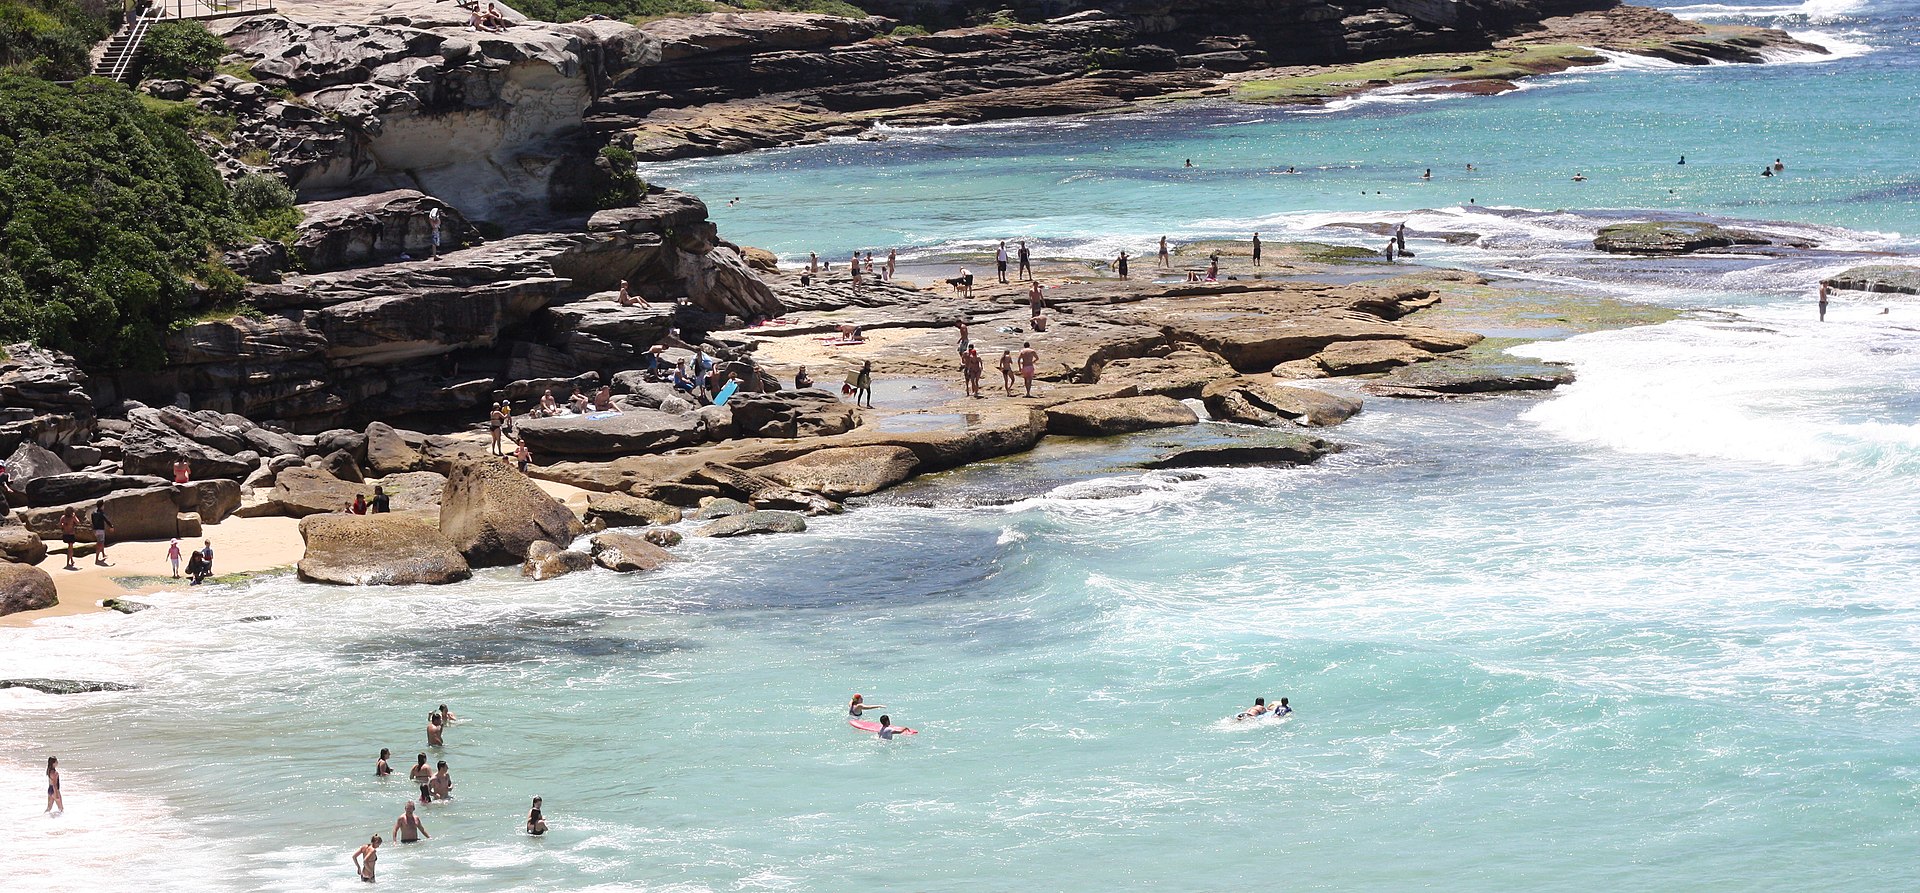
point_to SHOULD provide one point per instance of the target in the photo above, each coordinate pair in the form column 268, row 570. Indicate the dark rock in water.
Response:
column 1472, row 374
column 665, row 539
column 720, row 508
column 124, row 606
column 1268, row 449
column 755, row 522
column 387, row 550
column 621, row 510
column 493, row 514
column 24, row 587
column 257, row 618
column 1671, row 237
column 546, row 561
column 1125, row 415
column 626, row 552
column 1256, row 403
column 1882, row 278
column 64, row 686
column 20, row 545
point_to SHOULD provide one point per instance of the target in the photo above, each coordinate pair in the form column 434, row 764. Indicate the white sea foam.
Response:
column 1810, row 10
column 105, row 840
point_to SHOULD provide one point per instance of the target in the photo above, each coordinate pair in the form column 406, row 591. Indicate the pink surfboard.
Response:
column 868, row 725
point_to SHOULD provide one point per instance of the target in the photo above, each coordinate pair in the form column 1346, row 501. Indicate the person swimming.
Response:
column 855, row 707
column 380, row 767
column 536, row 820
column 1281, row 710
column 1258, row 709
column 887, row 728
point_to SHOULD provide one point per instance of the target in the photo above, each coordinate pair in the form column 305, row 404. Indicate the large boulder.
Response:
column 374, row 228
column 1671, row 237
column 301, row 491
column 1362, row 357
column 146, row 449
column 31, row 460
column 721, row 507
column 545, row 561
column 146, row 514
column 415, row 492
column 21, row 546
column 1125, row 415
column 493, row 514
column 1272, row 448
column 343, row 466
column 755, row 522
column 80, row 486
column 390, row 550
column 388, row 452
column 212, row 500
column 627, row 552
column 809, row 413
column 623, row 434
column 25, row 588
column 621, row 510
column 840, row 472
column 1253, row 403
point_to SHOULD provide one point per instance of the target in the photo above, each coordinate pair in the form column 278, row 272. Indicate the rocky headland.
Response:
column 468, row 211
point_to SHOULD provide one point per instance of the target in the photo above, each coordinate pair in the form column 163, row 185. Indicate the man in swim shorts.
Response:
column 408, row 828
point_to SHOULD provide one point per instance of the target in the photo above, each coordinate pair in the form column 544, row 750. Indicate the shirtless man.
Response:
column 364, row 857
column 422, row 776
column 442, row 784
column 1029, row 358
column 70, row 531
column 434, row 727
column 408, row 828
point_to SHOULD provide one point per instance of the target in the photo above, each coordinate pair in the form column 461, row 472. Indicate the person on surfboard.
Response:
column 1258, row 710
column 854, row 708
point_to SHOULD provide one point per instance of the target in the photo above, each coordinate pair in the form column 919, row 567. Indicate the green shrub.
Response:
column 107, row 218
column 624, row 170
column 908, row 31
column 265, row 205
column 177, row 49
column 50, row 38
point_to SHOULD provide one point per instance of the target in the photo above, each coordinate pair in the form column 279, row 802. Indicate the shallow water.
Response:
column 1658, row 630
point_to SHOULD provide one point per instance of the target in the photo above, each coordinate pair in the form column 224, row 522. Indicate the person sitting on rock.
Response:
column 801, row 380
column 577, row 403
column 681, row 380
column 626, row 298
column 493, row 19
column 603, row 400
column 548, row 405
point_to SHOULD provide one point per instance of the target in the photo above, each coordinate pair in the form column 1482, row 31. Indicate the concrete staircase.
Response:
column 123, row 49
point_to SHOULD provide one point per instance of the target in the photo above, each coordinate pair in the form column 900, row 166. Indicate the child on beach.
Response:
column 173, row 557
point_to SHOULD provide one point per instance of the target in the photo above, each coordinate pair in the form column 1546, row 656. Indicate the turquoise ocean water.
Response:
column 1657, row 631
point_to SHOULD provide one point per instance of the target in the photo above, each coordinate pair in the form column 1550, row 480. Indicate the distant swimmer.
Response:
column 1428, row 175
column 434, row 727
column 442, row 784
column 1189, row 162
column 854, row 709
column 1281, row 710
column 408, row 828
column 536, row 820
column 380, row 767
column 422, row 776
column 1683, row 159
column 1778, row 165
column 1470, row 167
column 887, row 729
column 1258, row 709
column 446, row 716
column 1579, row 178
column 364, row 857
column 1290, row 169
column 1823, row 302
column 55, row 803
column 1766, row 172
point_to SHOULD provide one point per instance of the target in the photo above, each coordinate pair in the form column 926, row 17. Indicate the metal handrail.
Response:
column 131, row 49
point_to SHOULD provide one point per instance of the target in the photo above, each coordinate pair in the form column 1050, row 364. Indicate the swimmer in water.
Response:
column 54, row 800
column 1579, row 178
column 408, row 828
column 1258, row 709
column 380, row 767
column 434, row 727
column 854, row 708
column 1281, row 710
column 422, row 776
column 442, row 783
column 364, row 857
column 446, row 716
column 536, row 821
column 888, row 729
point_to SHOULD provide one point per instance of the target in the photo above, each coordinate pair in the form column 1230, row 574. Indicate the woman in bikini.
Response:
column 1006, row 370
column 536, row 821
column 422, row 776
column 365, row 856
column 854, row 708
column 380, row 767
column 54, row 800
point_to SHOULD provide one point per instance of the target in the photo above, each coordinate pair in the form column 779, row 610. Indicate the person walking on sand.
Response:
column 1000, row 261
column 971, row 366
column 863, row 384
column 70, row 531
column 408, row 828
column 1823, row 302
column 536, row 820
column 1006, row 370
column 421, row 775
column 1026, row 261
column 434, row 727
column 1256, row 249
column 364, row 857
column 102, row 528
column 173, row 556
column 1120, row 264
column 1029, row 358
column 54, row 800
column 442, row 782
column 1166, row 257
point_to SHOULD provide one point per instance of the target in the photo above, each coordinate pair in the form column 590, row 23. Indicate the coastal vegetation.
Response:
column 50, row 38
column 112, row 217
column 180, row 50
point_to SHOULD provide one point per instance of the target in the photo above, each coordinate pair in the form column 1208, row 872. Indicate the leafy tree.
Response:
column 50, row 38
column 176, row 49
column 108, row 218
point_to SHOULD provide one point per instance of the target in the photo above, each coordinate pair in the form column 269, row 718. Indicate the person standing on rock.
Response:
column 1029, row 360
column 893, row 257
column 101, row 529
column 1120, row 264
column 494, row 422
column 433, row 229
column 1026, row 262
column 70, row 531
column 1000, row 261
column 1166, row 257
column 1400, row 237
column 853, row 266
column 813, row 262
column 1823, row 302
column 971, row 366
column 863, row 384
column 1006, row 370
column 182, row 472
column 1256, row 249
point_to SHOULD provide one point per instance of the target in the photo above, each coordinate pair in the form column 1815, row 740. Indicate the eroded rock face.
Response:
column 383, row 550
column 1101, row 418
column 20, row 545
column 545, row 561
column 1254, row 403
column 31, row 460
column 627, row 433
column 753, row 523
column 44, row 394
column 493, row 514
column 627, row 552
column 380, row 227
column 25, row 588
column 622, row 510
column 840, row 472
